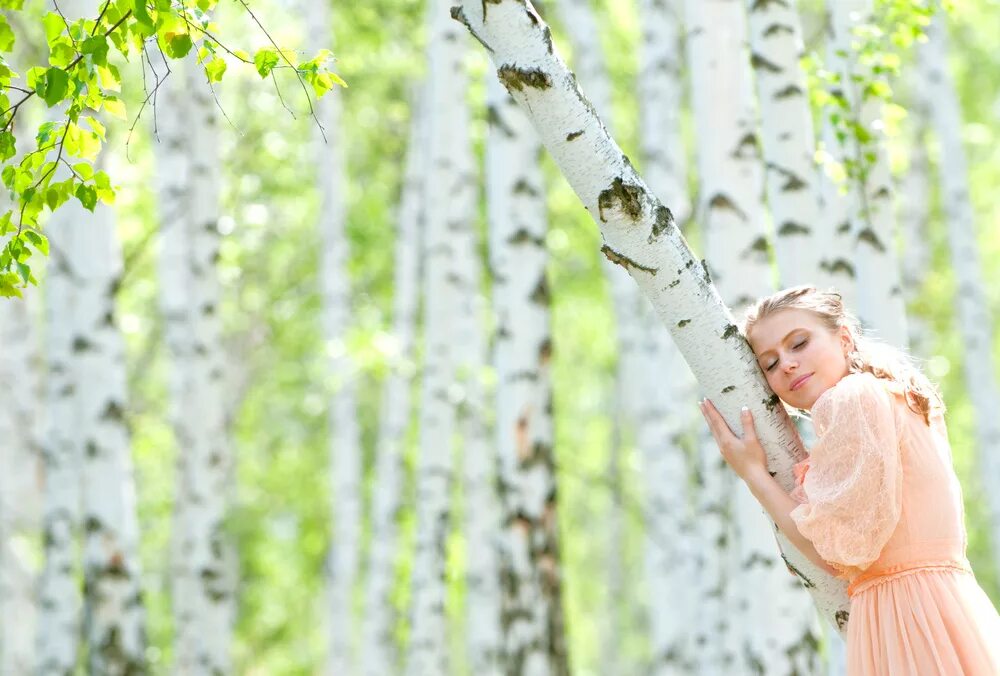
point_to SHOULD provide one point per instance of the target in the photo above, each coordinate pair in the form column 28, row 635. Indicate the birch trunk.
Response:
column 581, row 26
column 59, row 598
column 21, row 482
column 379, row 652
column 114, row 621
column 481, row 501
column 881, row 306
column 914, row 212
column 531, row 573
column 640, row 234
column 345, row 444
column 775, row 633
column 446, row 219
column 974, row 318
column 660, row 426
column 787, row 142
column 203, row 557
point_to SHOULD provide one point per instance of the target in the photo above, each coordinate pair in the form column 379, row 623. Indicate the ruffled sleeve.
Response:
column 851, row 485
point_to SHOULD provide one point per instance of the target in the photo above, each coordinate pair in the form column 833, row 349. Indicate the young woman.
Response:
column 877, row 501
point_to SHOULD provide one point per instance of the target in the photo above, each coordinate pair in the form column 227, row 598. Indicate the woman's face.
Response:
column 800, row 357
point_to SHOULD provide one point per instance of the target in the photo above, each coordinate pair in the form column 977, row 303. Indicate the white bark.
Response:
column 378, row 643
column 787, row 141
column 880, row 307
column 914, row 214
column 481, row 501
column 974, row 318
column 660, row 425
column 532, row 619
column 344, row 430
column 447, row 216
column 113, row 612
column 640, row 234
column 21, row 481
column 203, row 558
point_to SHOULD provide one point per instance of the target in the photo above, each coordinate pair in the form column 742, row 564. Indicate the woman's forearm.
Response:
column 779, row 505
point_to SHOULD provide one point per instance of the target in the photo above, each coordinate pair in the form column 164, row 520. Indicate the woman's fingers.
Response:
column 749, row 431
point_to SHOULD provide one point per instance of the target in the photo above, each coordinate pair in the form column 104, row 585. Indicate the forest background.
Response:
column 272, row 307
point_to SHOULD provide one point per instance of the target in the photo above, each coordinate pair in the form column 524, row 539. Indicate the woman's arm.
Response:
column 747, row 458
column 779, row 505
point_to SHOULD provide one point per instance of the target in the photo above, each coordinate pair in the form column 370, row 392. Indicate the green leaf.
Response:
column 114, row 106
column 265, row 60
column 6, row 35
column 97, row 47
column 7, row 149
column 178, row 45
column 87, row 196
column 54, row 26
column 144, row 22
column 215, row 69
column 40, row 241
column 54, row 86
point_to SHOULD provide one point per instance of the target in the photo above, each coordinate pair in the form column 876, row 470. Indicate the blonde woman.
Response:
column 877, row 501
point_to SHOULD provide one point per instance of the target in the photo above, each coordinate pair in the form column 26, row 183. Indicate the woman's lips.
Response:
column 797, row 383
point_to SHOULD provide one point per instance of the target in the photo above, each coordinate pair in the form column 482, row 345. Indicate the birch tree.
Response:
column 975, row 322
column 732, row 214
column 345, row 445
column 203, row 565
column 59, row 598
column 669, row 544
column 20, row 482
column 446, row 220
column 114, row 620
column 640, row 234
column 531, row 573
column 787, row 143
column 863, row 152
column 378, row 643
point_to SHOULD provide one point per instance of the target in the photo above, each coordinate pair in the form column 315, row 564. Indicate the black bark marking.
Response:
column 682, row 323
column 868, row 235
column 731, row 331
column 625, row 261
column 522, row 236
column 704, row 269
column 793, row 228
column 514, row 78
column 541, row 293
column 674, row 283
column 722, row 201
column 574, row 135
column 844, row 228
column 664, row 220
column 805, row 580
column 627, row 196
column 458, row 15
column 728, row 388
column 522, row 187
column 774, row 29
column 793, row 183
column 772, row 402
column 839, row 266
column 759, row 245
column 788, row 92
column 760, row 63
column 763, row 4
column 842, row 617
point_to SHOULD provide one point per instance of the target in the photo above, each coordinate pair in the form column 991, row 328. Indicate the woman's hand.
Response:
column 745, row 455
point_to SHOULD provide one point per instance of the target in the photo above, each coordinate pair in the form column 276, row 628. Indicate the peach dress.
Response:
column 881, row 503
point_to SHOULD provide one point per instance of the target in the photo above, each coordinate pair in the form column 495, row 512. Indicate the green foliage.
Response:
column 79, row 80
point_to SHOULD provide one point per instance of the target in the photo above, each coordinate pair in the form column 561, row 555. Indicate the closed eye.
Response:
column 794, row 347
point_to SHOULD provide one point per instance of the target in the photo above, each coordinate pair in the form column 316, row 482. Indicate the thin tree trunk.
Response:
column 447, row 217
column 21, row 481
column 113, row 611
column 379, row 650
column 640, row 234
column 531, row 573
column 914, row 214
column 669, row 547
column 203, row 557
column 787, row 142
column 974, row 318
column 881, row 306
column 344, row 431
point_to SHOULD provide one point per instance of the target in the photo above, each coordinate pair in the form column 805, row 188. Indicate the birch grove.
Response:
column 203, row 561
column 974, row 318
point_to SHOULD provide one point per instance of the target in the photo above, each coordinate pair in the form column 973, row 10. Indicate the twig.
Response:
column 69, row 32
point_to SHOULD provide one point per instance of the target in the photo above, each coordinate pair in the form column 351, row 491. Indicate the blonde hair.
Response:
column 869, row 355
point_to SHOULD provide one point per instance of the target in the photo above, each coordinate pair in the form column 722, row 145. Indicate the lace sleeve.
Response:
column 852, row 488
